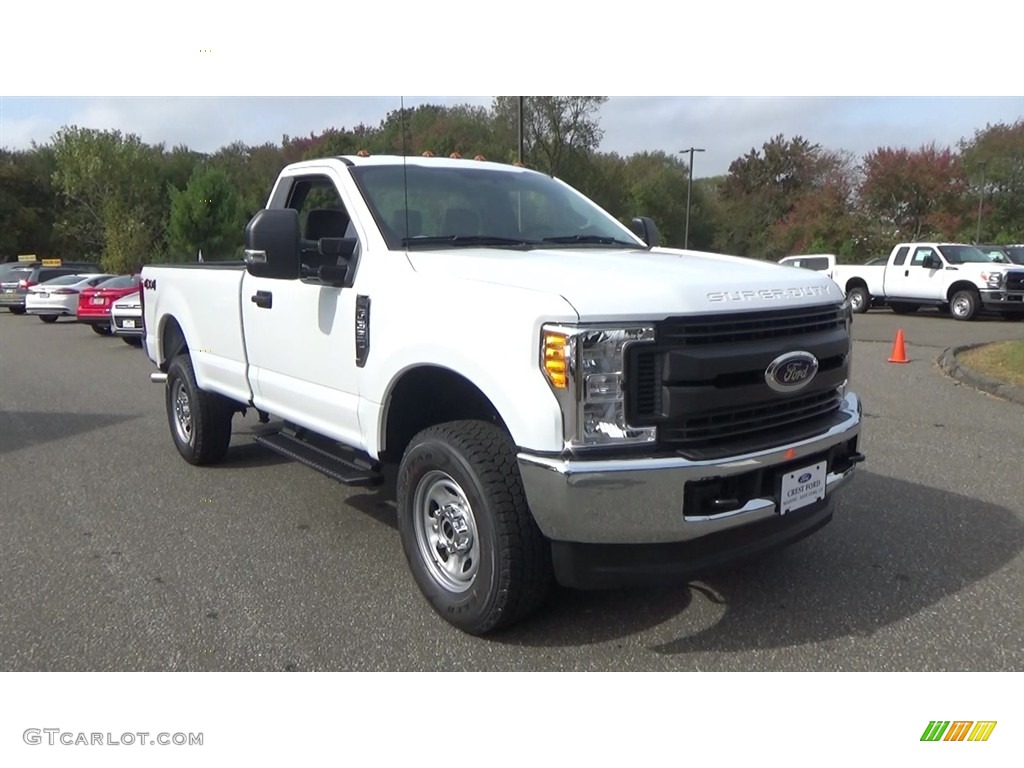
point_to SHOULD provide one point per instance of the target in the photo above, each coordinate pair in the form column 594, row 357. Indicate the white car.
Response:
column 126, row 319
column 59, row 296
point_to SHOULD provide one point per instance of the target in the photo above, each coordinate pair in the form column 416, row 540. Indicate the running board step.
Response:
column 349, row 469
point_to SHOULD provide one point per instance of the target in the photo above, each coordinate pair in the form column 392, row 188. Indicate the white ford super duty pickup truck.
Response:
column 563, row 400
column 960, row 278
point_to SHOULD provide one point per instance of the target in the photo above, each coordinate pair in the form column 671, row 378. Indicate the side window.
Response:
column 818, row 265
column 321, row 211
column 901, row 256
column 920, row 254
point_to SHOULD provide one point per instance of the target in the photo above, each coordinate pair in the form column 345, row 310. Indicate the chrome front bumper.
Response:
column 640, row 501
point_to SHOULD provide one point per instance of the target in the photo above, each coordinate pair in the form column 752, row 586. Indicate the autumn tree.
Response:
column 914, row 194
column 762, row 189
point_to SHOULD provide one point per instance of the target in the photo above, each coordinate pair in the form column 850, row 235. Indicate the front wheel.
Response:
column 48, row 318
column 134, row 341
column 102, row 330
column 16, row 310
column 860, row 300
column 200, row 421
column 472, row 545
column 965, row 304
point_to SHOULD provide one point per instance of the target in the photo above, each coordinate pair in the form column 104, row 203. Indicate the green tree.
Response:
column 114, row 198
column 993, row 159
column 556, row 129
column 28, row 205
column 206, row 215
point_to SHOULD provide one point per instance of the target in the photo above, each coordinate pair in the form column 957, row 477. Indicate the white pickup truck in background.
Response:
column 562, row 399
column 817, row 262
column 960, row 278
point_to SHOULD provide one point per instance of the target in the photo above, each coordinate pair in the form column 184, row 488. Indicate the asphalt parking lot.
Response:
column 116, row 555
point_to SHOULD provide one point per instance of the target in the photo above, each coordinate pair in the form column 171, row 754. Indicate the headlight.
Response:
column 994, row 279
column 585, row 368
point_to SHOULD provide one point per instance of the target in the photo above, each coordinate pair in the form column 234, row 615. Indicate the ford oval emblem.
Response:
column 791, row 372
column 804, row 477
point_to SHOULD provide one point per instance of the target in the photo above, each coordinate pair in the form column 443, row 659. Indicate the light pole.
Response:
column 689, row 190
column 981, row 199
column 521, row 129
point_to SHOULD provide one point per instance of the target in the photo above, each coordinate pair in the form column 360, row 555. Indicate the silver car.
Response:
column 126, row 319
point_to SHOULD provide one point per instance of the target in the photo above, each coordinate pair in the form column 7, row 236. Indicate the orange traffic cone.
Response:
column 899, row 350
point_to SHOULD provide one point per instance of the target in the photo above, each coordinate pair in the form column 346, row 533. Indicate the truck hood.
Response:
column 605, row 284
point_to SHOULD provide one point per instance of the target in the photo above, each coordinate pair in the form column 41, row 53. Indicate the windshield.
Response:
column 963, row 254
column 482, row 206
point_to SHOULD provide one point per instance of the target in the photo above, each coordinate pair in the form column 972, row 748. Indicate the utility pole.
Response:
column 981, row 199
column 521, row 128
column 689, row 191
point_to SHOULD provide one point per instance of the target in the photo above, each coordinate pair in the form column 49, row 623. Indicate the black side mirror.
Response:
column 932, row 262
column 644, row 228
column 272, row 244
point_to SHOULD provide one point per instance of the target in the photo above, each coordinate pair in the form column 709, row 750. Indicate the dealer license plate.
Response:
column 128, row 324
column 98, row 300
column 802, row 487
column 43, row 295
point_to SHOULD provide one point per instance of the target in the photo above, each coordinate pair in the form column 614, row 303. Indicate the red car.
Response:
column 94, row 304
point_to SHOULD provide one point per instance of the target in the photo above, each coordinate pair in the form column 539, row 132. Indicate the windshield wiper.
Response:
column 460, row 240
column 588, row 239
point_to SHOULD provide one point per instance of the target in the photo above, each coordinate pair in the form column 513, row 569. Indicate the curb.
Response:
column 955, row 369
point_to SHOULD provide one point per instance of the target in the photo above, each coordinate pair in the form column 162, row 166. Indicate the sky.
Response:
column 725, row 127
column 725, row 77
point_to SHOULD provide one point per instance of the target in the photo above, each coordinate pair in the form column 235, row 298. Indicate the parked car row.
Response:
column 109, row 304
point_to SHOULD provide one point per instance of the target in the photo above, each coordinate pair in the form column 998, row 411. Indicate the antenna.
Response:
column 405, row 173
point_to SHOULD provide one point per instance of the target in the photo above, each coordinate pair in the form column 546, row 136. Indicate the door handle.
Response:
column 906, row 273
column 263, row 299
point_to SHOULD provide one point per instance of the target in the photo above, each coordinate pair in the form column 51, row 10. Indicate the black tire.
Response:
column 48, row 318
column 965, row 304
column 17, row 310
column 1011, row 316
column 509, row 560
column 207, row 435
column 102, row 330
column 134, row 341
column 905, row 309
column 860, row 299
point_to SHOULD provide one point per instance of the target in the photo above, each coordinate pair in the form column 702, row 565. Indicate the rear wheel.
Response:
column 200, row 421
column 473, row 547
column 965, row 304
column 48, row 318
column 860, row 299
column 134, row 341
column 102, row 330
column 1012, row 315
column 17, row 310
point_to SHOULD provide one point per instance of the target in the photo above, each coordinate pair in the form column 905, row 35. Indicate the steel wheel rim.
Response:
column 182, row 406
column 446, row 534
column 961, row 306
column 856, row 301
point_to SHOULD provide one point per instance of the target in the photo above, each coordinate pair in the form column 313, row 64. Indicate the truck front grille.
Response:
column 1015, row 281
column 702, row 382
